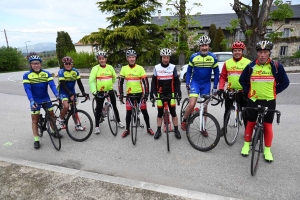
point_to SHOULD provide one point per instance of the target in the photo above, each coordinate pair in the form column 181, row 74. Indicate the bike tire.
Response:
column 134, row 125
column 56, row 110
column 112, row 121
column 256, row 149
column 196, row 137
column 166, row 119
column 53, row 131
column 184, row 104
column 231, row 126
column 40, row 130
column 94, row 106
column 85, row 121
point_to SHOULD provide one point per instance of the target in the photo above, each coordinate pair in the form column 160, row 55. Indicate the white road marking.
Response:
column 294, row 83
column 9, row 78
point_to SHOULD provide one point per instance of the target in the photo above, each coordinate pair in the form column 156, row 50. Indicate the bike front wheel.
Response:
column 79, row 125
column 231, row 126
column 53, row 133
column 208, row 137
column 257, row 145
column 184, row 104
column 134, row 125
column 112, row 121
column 166, row 122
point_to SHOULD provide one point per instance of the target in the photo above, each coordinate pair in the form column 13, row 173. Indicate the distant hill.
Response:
column 39, row 47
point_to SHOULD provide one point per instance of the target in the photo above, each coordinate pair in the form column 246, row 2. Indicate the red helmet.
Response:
column 238, row 45
column 67, row 59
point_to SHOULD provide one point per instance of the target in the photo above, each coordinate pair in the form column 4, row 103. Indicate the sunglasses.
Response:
column 35, row 63
column 67, row 63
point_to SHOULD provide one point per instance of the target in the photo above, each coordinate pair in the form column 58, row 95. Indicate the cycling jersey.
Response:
column 102, row 78
column 232, row 69
column 36, row 85
column 134, row 77
column 70, row 78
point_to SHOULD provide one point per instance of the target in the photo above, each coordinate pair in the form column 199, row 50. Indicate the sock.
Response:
column 36, row 138
column 268, row 136
column 249, row 131
column 176, row 128
column 159, row 128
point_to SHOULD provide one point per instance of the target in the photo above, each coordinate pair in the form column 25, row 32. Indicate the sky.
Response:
column 38, row 21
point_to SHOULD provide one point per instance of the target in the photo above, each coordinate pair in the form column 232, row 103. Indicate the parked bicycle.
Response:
column 107, row 111
column 47, row 123
column 257, row 139
column 166, row 115
column 203, row 129
column 233, row 119
column 135, row 116
column 79, row 124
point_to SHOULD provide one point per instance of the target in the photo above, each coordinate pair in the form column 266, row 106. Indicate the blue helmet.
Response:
column 33, row 58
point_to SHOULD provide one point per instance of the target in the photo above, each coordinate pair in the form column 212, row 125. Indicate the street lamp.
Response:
column 26, row 47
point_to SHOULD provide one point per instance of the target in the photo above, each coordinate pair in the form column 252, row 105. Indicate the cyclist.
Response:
column 68, row 76
column 232, row 69
column 134, row 75
column 165, row 82
column 101, row 80
column 198, row 76
column 35, row 84
column 262, row 80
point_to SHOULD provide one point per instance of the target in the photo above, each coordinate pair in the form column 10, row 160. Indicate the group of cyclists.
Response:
column 258, row 82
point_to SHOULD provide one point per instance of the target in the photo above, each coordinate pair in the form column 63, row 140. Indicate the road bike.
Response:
column 166, row 115
column 135, row 116
column 233, row 118
column 258, row 137
column 203, row 129
column 47, row 123
column 107, row 111
column 78, row 123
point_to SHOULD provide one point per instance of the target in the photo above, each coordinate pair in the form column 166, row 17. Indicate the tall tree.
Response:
column 64, row 45
column 254, row 20
column 212, row 32
column 217, row 43
column 129, row 28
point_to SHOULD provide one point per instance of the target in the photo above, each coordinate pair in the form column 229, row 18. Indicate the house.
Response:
column 285, row 46
column 88, row 48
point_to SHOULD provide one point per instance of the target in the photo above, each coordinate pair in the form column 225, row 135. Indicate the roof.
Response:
column 220, row 20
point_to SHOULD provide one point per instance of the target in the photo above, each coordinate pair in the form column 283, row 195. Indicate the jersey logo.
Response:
column 208, row 59
column 102, row 88
column 129, row 90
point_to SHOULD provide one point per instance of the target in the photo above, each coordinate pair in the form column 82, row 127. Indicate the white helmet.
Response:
column 101, row 53
column 165, row 52
column 130, row 52
column 204, row 39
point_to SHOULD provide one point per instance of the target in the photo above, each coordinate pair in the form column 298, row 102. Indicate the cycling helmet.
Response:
column 165, row 52
column 238, row 45
column 34, row 57
column 130, row 52
column 67, row 59
column 204, row 39
column 266, row 45
column 101, row 53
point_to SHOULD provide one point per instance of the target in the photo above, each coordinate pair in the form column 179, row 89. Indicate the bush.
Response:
column 11, row 59
column 296, row 54
column 83, row 59
column 53, row 62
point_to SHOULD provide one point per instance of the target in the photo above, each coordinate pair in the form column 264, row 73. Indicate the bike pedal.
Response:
column 142, row 126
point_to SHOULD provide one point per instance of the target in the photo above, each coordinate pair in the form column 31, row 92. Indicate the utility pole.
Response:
column 6, row 38
column 26, row 47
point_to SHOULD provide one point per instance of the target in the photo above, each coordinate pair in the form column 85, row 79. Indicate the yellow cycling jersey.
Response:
column 133, row 77
column 102, row 78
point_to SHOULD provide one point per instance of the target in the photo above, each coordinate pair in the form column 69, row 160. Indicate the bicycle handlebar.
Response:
column 263, row 110
column 210, row 97
column 43, row 104
column 87, row 97
column 165, row 98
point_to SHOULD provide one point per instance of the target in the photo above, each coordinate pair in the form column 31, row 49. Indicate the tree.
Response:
column 129, row 28
column 11, row 59
column 254, row 20
column 212, row 31
column 217, row 43
column 64, row 45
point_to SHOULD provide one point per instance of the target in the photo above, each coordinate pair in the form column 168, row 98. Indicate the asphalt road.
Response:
column 222, row 171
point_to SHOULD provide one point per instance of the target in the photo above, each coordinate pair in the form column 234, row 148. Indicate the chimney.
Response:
column 288, row 2
column 159, row 14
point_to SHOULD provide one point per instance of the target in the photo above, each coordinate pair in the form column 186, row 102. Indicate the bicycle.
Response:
column 135, row 116
column 107, row 111
column 205, row 130
column 257, row 139
column 166, row 115
column 47, row 123
column 233, row 118
column 80, row 127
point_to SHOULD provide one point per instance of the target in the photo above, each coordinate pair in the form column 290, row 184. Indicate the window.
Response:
column 283, row 50
column 286, row 32
column 268, row 32
column 175, row 37
column 241, row 36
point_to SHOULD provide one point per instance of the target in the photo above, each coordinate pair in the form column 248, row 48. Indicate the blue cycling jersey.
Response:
column 36, row 85
column 70, row 78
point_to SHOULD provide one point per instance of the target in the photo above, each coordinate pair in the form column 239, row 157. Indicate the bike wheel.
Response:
column 79, row 125
column 231, row 126
column 134, row 125
column 166, row 117
column 40, row 129
column 53, row 133
column 94, row 105
column 205, row 139
column 256, row 149
column 112, row 121
column 184, row 104
column 56, row 111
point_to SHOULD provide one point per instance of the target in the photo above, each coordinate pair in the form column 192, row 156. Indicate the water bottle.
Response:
column 104, row 109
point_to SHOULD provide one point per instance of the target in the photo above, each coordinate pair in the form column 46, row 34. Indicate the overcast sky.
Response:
column 39, row 20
